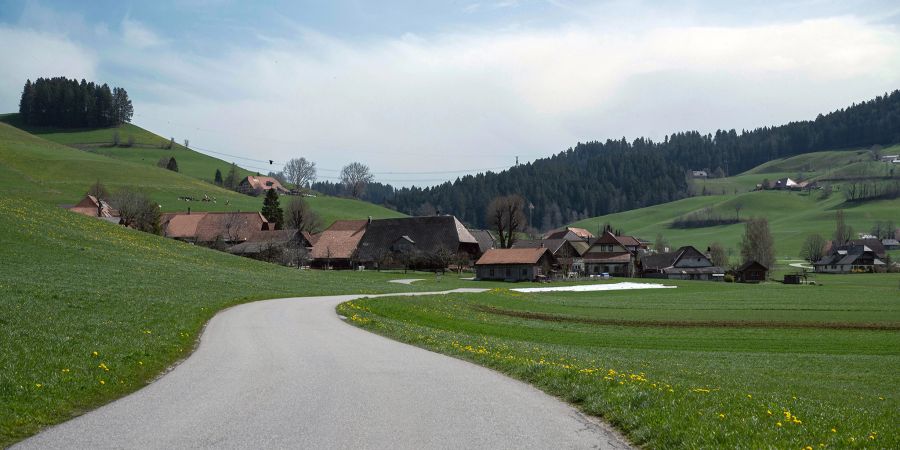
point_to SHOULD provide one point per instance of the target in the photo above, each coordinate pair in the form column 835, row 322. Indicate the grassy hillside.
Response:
column 73, row 285
column 705, row 365
column 792, row 215
column 56, row 174
column 148, row 147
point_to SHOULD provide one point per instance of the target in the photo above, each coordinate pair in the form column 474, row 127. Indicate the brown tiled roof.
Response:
column 211, row 226
column 629, row 241
column 262, row 183
column 561, row 233
column 512, row 256
column 340, row 240
column 94, row 207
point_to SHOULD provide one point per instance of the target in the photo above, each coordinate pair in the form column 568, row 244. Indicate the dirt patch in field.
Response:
column 688, row 323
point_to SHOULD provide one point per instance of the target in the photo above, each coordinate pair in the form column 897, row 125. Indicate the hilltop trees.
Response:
column 355, row 176
column 271, row 209
column 506, row 215
column 300, row 172
column 757, row 243
column 61, row 102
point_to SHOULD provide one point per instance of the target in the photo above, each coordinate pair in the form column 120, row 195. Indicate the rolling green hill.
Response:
column 57, row 174
column 792, row 215
column 148, row 147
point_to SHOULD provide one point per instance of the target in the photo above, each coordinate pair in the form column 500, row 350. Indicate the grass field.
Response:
column 55, row 174
column 792, row 215
column 700, row 366
column 72, row 286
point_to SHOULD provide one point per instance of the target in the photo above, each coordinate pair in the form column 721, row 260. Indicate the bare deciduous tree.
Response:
column 718, row 255
column 299, row 216
column 300, row 172
column 355, row 176
column 506, row 215
column 137, row 210
column 738, row 206
column 813, row 248
column 842, row 232
column 757, row 243
column 98, row 190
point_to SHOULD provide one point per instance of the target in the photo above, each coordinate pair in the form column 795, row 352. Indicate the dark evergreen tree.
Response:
column 218, row 179
column 271, row 209
column 61, row 102
column 172, row 164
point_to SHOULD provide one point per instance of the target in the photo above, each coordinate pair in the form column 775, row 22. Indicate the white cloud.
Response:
column 29, row 54
column 478, row 99
column 137, row 35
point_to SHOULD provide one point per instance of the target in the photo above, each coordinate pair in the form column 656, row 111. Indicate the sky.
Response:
column 424, row 92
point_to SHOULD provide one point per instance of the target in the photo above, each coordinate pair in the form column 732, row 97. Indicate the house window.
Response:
column 508, row 272
column 524, row 272
column 492, row 272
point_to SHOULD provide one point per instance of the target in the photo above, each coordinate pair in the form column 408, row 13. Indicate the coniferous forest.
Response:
column 597, row 178
column 61, row 102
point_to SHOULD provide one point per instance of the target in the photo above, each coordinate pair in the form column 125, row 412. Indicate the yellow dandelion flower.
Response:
column 95, row 354
column 102, row 382
column 721, row 415
column 65, row 370
column 769, row 412
column 834, row 430
column 749, row 396
column 38, row 385
column 777, row 424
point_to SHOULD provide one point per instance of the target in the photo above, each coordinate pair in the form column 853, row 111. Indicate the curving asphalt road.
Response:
column 289, row 374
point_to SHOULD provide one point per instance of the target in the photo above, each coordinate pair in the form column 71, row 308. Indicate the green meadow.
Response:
column 704, row 365
column 792, row 215
column 73, row 285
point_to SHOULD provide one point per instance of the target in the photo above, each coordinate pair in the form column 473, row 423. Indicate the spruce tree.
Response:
column 172, row 165
column 218, row 179
column 271, row 209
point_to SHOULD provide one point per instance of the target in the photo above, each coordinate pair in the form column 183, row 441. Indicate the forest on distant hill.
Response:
column 597, row 178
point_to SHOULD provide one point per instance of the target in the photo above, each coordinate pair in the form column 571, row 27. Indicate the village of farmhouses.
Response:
column 439, row 243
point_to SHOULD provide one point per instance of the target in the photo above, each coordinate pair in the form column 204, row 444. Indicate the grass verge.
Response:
column 777, row 376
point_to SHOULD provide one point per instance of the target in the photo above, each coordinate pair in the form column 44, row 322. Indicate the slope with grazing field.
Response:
column 792, row 215
column 705, row 365
column 56, row 174
column 90, row 311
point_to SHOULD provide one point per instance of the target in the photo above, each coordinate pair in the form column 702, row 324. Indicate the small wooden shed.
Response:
column 751, row 272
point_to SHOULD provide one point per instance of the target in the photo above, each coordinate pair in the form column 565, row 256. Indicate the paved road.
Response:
column 290, row 374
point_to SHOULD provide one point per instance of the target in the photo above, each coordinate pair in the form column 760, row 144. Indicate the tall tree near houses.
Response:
column 299, row 216
column 300, row 172
column 813, row 248
column 271, row 209
column 843, row 233
column 355, row 176
column 231, row 180
column 506, row 215
column 757, row 243
column 718, row 255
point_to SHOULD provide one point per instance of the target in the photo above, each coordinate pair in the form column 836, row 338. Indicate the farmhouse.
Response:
column 567, row 253
column 211, row 227
column 94, row 207
column 686, row 263
column 612, row 254
column 486, row 240
column 515, row 264
column 256, row 185
column 570, row 234
column 699, row 174
column 426, row 242
column 785, row 183
column 751, row 272
column 890, row 244
column 335, row 248
column 848, row 259
column 274, row 245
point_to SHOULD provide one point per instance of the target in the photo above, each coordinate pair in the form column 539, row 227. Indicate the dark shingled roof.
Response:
column 426, row 234
column 485, row 239
column 751, row 265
